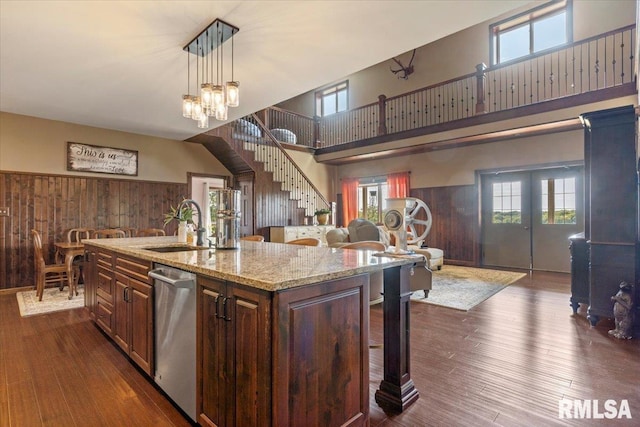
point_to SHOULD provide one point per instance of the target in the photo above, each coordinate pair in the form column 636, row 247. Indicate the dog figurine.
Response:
column 623, row 312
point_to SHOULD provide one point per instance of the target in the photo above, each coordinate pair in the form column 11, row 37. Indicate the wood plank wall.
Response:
column 52, row 204
column 456, row 227
column 274, row 207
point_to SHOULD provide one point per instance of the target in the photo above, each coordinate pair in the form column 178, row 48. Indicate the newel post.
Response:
column 382, row 114
column 316, row 131
column 481, row 77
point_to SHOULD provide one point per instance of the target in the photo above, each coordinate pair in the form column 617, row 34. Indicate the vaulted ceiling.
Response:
column 120, row 65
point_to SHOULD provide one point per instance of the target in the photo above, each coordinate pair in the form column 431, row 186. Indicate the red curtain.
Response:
column 349, row 200
column 398, row 184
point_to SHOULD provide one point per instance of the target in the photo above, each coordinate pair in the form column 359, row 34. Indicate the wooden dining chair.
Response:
column 253, row 238
column 306, row 241
column 129, row 231
column 46, row 273
column 147, row 232
column 76, row 235
column 108, row 233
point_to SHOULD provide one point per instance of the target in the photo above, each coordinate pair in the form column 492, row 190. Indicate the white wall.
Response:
column 30, row 144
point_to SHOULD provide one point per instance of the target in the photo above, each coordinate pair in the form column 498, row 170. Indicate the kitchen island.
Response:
column 282, row 330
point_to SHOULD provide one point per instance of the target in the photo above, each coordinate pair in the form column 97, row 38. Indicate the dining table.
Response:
column 70, row 250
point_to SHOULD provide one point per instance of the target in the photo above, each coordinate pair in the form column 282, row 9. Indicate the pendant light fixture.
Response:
column 214, row 96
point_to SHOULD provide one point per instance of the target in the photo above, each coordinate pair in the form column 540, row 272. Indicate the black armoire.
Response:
column 611, row 208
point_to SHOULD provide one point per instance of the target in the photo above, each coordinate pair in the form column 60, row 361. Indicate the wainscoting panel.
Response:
column 455, row 227
column 52, row 204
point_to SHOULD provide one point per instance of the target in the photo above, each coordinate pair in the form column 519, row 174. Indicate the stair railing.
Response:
column 286, row 171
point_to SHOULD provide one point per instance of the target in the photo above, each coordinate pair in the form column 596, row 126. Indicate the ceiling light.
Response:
column 215, row 96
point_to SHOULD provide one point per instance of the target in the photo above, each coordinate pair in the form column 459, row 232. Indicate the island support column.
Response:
column 397, row 390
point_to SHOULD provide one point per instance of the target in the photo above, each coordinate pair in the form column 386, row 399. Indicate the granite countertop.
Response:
column 264, row 265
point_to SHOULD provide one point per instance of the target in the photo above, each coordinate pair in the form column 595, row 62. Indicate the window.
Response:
column 332, row 99
column 507, row 203
column 542, row 28
column 372, row 198
column 558, row 201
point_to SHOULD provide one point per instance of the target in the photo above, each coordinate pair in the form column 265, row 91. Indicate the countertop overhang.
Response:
column 264, row 265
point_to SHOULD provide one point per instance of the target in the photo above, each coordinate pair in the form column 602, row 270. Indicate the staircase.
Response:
column 246, row 145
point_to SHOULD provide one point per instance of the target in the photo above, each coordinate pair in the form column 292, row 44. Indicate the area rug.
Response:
column 462, row 288
column 52, row 300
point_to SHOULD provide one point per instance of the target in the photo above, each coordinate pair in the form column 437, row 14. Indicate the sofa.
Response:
column 361, row 230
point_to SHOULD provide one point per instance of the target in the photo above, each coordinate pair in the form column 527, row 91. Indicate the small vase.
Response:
column 322, row 219
column 182, row 232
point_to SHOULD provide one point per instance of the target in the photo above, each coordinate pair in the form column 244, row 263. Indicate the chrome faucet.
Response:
column 200, row 232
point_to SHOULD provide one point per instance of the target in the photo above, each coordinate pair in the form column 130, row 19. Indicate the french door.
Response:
column 528, row 216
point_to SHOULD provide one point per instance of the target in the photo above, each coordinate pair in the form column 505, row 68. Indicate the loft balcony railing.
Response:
column 600, row 62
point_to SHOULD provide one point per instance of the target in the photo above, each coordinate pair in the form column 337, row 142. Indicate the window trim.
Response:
column 527, row 18
column 363, row 184
column 319, row 95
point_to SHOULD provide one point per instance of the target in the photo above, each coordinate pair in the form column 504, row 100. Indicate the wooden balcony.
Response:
column 591, row 70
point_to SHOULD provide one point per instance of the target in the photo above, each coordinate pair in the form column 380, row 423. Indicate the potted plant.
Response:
column 183, row 215
column 322, row 215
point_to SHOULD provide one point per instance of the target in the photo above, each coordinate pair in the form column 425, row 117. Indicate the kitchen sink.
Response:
column 182, row 248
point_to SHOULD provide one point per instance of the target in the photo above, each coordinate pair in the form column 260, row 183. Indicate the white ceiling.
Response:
column 120, row 65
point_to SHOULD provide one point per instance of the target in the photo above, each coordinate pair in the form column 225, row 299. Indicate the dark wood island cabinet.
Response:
column 282, row 331
column 118, row 294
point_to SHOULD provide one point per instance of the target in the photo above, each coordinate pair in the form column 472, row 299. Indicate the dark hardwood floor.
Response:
column 506, row 362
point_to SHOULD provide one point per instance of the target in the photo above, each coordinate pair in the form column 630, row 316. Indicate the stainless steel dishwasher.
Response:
column 175, row 335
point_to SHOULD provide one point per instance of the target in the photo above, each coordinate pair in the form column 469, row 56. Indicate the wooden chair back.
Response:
column 306, row 241
column 146, row 232
column 253, row 238
column 38, row 255
column 108, row 233
column 76, row 235
column 56, row 272
column 128, row 231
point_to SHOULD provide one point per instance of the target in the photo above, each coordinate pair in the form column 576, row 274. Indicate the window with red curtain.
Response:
column 349, row 199
column 398, row 184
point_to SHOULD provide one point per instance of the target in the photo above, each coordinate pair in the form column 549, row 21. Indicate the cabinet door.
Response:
column 330, row 385
column 211, row 394
column 121, row 312
column 248, row 356
column 140, row 300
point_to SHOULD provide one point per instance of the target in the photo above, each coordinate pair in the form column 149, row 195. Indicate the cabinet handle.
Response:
column 225, row 315
column 215, row 301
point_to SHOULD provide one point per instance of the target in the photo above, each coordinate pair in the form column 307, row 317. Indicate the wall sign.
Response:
column 91, row 158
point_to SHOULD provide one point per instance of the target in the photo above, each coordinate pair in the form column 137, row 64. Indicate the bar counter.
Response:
column 268, row 266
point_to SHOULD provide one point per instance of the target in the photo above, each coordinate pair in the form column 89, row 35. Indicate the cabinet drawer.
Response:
column 105, row 284
column 310, row 232
column 105, row 259
column 137, row 269
column 104, row 315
